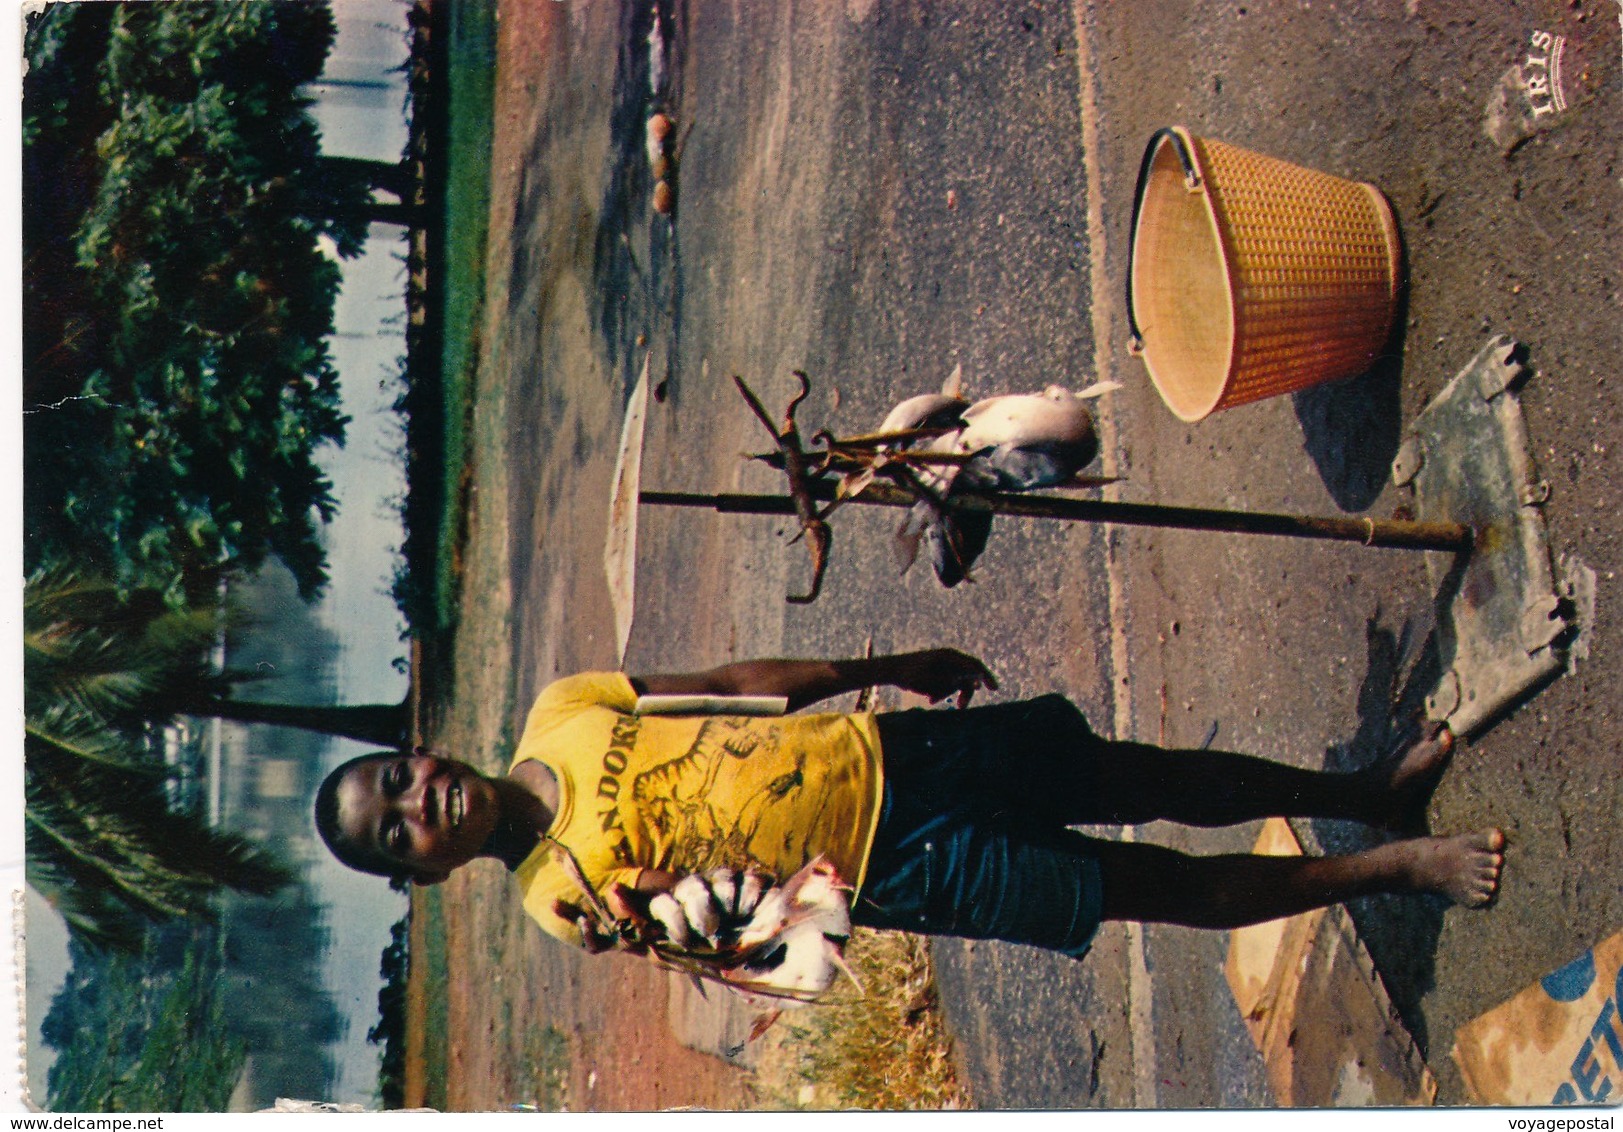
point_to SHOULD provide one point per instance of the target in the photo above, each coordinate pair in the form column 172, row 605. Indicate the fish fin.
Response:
column 954, row 385
column 956, row 542
column 904, row 546
column 856, row 482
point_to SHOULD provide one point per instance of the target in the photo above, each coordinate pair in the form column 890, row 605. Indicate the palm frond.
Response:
column 65, row 732
column 109, row 849
column 105, row 840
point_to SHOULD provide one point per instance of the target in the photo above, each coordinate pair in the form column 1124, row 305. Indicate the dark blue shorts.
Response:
column 972, row 838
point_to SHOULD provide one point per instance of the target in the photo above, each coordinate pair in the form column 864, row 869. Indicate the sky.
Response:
column 368, row 479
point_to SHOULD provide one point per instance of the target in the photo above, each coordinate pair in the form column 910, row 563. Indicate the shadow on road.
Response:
column 1351, row 429
column 633, row 291
column 1401, row 932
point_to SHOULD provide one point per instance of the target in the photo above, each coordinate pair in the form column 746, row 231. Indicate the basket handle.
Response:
column 1191, row 178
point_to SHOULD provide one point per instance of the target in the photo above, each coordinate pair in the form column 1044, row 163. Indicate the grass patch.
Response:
column 541, row 1067
column 453, row 81
column 464, row 227
column 501, row 755
column 429, row 950
column 887, row 1050
column 546, row 1052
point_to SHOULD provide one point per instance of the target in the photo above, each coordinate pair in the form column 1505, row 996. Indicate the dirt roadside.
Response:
column 544, row 412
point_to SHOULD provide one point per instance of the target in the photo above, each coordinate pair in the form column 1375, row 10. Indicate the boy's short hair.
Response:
column 361, row 858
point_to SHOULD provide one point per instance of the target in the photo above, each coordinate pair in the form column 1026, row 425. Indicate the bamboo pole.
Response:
column 1388, row 533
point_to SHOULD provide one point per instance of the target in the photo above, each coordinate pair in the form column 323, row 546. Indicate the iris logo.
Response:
column 1541, row 74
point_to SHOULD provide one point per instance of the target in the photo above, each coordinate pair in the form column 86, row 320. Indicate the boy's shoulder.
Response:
column 563, row 705
column 570, row 699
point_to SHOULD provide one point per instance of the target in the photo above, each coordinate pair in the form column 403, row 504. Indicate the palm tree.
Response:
column 105, row 845
column 383, row 725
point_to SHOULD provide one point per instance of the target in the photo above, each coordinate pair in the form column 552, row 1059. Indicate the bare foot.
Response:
column 1464, row 868
column 1404, row 791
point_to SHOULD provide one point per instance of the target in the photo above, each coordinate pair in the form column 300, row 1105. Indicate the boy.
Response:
column 945, row 822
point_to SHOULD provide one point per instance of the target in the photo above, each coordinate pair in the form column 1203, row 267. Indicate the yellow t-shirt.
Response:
column 688, row 793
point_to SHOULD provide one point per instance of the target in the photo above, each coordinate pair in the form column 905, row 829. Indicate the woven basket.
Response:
column 1250, row 277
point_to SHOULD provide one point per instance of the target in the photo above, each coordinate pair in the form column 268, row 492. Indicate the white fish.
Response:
column 801, row 959
column 1016, row 442
column 666, row 911
column 772, row 911
column 751, row 886
column 788, row 950
column 927, row 410
column 795, row 941
column 1027, row 441
column 699, row 907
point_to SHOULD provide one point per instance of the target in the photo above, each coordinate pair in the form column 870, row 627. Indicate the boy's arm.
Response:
column 933, row 673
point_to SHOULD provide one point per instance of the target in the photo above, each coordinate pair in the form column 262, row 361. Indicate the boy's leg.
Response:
column 1040, row 760
column 1136, row 783
column 960, row 851
column 1152, row 883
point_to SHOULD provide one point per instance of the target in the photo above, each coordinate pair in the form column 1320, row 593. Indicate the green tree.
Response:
column 359, row 179
column 105, row 842
column 389, row 1032
column 177, row 375
column 146, row 1031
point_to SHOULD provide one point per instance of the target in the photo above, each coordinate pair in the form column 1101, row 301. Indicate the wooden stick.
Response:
column 1388, row 533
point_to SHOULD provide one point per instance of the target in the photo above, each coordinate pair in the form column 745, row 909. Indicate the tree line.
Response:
column 182, row 231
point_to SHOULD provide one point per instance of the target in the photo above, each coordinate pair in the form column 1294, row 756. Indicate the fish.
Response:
column 1010, row 442
column 786, row 951
column 795, row 938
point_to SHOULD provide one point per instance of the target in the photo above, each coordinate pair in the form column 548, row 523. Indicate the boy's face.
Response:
column 424, row 814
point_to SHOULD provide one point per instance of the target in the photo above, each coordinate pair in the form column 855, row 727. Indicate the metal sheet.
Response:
column 1501, row 627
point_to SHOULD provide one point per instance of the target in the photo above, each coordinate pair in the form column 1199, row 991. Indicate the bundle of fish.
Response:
column 1012, row 442
column 777, row 945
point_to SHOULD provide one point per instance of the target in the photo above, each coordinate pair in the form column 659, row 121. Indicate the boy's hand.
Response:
column 593, row 937
column 939, row 673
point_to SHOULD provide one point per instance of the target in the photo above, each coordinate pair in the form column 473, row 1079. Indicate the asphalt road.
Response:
column 878, row 193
